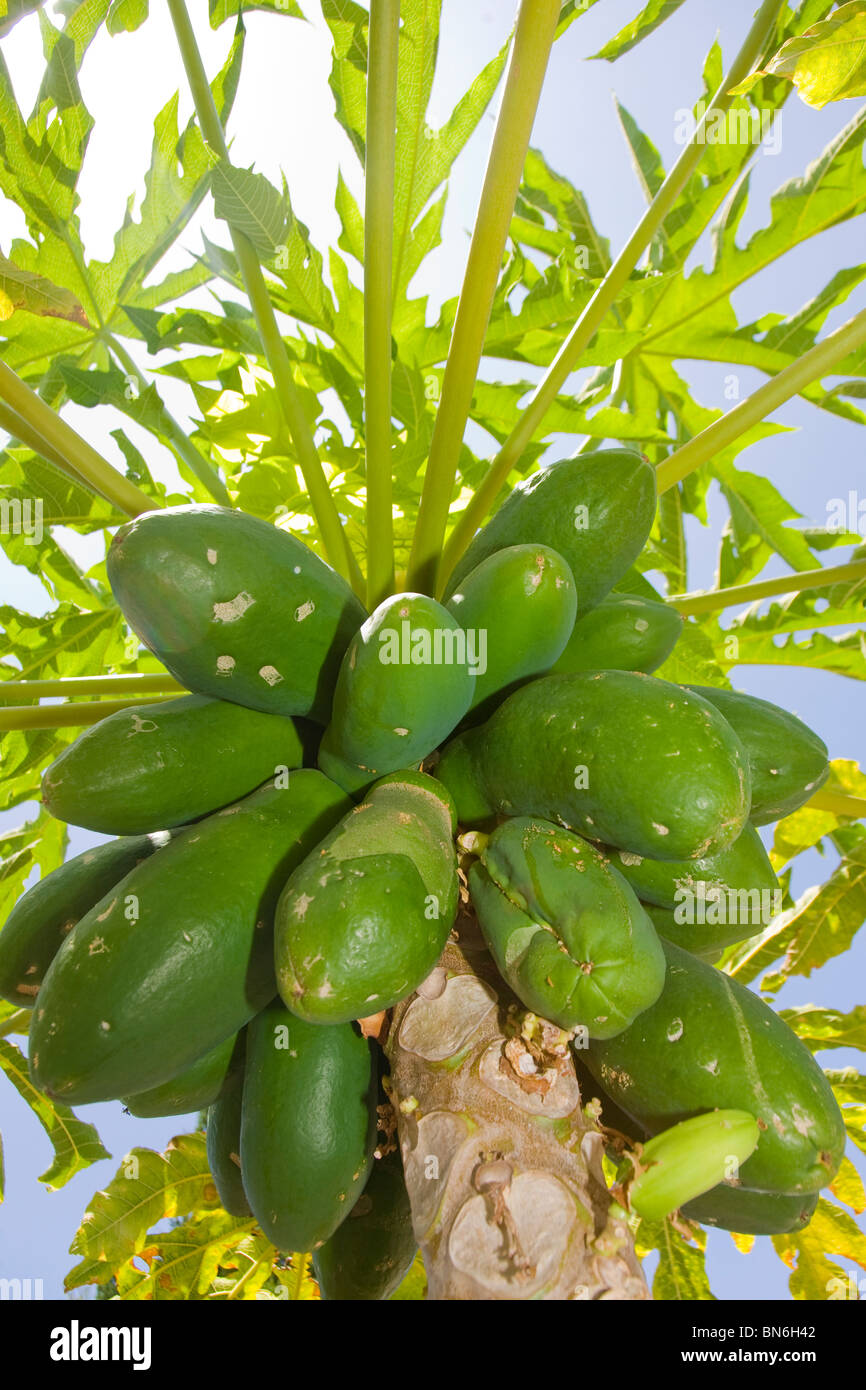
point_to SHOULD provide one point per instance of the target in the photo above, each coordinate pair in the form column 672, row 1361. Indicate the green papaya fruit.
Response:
column 708, row 1043
column 697, row 938
column 404, row 684
column 623, row 633
column 689, row 1159
column 752, row 1213
column 179, row 955
column 308, row 1126
column 618, row 756
column 235, row 607
column 521, row 603
column 167, row 763
column 369, row 1254
column 596, row 510
column 224, row 1139
column 363, row 920
column 565, row 930
column 788, row 761
column 714, row 901
column 191, row 1090
column 41, row 920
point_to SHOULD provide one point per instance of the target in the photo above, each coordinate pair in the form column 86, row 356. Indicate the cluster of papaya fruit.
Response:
column 284, row 866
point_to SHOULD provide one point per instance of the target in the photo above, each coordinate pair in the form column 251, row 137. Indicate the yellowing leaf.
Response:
column 830, row 1232
column 828, row 63
column 21, row 289
column 76, row 1144
column 847, row 1186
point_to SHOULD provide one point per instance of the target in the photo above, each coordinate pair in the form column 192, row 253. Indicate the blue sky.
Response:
column 283, row 118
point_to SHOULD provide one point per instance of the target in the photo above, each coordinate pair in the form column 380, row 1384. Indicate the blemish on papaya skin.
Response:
column 304, row 610
column 234, row 609
column 212, row 557
column 30, row 990
column 270, row 675
column 224, row 664
column 97, row 947
column 108, row 911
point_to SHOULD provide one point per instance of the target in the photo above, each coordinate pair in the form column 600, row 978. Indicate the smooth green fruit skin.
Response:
column 234, row 607
column 191, row 1090
column 224, row 1139
column 308, row 1126
column 698, row 939
column 623, row 633
column 708, row 1043
column 167, row 763
column 788, row 761
column 368, row 1256
column 363, row 920
column 41, row 920
column 689, row 1159
column 660, row 773
column 391, row 710
column 596, row 510
column 752, row 1213
column 704, row 888
column 129, row 1004
column 523, row 600
column 565, row 930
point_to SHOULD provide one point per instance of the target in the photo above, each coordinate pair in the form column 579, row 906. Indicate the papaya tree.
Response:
column 443, row 878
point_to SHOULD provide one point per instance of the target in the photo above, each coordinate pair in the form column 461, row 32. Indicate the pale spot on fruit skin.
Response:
column 224, row 664
column 270, row 674
column 107, row 913
column 230, row 612
column 211, row 557
column 304, row 611
column 660, row 829
column 675, row 1030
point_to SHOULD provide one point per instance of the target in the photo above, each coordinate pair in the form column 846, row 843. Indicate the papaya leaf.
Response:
column 830, row 1232
column 21, row 289
column 126, row 15
column 293, row 1280
column 847, row 1187
column 681, row 1271
column 184, row 1262
column 40, row 844
column 147, row 1188
column 654, row 13
column 823, row 1028
column 849, row 1089
column 828, row 63
column 413, row 1286
column 251, row 205
column 221, row 10
column 823, row 922
column 76, row 1144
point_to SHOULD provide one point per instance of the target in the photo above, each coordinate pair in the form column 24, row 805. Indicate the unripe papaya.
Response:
column 191, row 1090
column 788, row 761
column 404, row 684
column 708, row 1043
column 224, row 1139
column 623, row 633
column 370, row 1252
column 716, row 900
column 739, row 1209
column 689, row 1159
column 179, row 955
column 308, row 1126
column 363, row 920
column 167, row 763
column 618, row 756
column 521, row 604
column 41, row 920
column 235, row 607
column 697, row 939
column 565, row 930
column 596, row 510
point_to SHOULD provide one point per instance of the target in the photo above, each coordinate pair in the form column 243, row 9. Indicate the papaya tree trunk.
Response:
column 502, row 1166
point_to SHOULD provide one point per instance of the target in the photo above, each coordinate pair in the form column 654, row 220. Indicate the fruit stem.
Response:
column 530, row 51
column 713, row 599
column 19, row 1022
column 378, row 258
column 812, row 366
column 604, row 297
column 323, row 505
column 839, row 803
column 143, row 682
column 66, row 716
column 68, row 450
column 176, row 435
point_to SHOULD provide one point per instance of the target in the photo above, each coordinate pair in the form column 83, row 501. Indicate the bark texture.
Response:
column 502, row 1166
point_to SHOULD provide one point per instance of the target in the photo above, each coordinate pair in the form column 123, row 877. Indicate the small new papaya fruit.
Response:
column 179, row 954
column 689, row 1159
column 618, row 756
column 193, row 1089
column 43, row 917
column 595, row 509
column 404, row 684
column 167, row 763
column 565, row 929
column 224, row 1138
column 363, row 920
column 623, row 633
column 708, row 1043
column 235, row 607
column 369, row 1254
column 519, row 605
column 308, row 1126
column 788, row 761
column 715, row 900
column 733, row 1208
